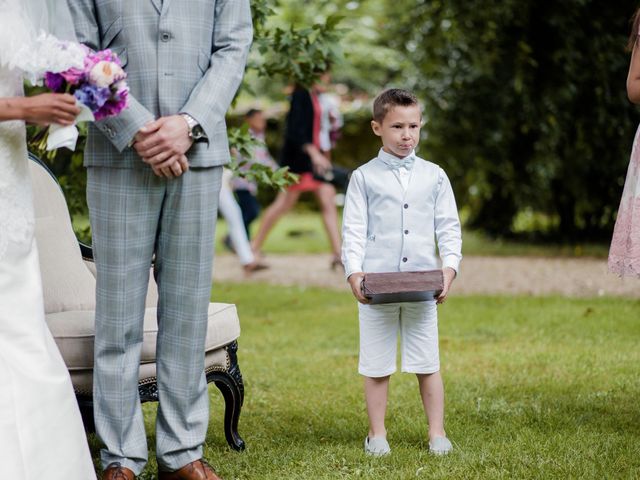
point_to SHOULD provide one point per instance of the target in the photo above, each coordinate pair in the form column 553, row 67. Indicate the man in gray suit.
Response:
column 154, row 175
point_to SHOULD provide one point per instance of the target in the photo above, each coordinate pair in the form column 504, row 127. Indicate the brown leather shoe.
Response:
column 198, row 470
column 117, row 472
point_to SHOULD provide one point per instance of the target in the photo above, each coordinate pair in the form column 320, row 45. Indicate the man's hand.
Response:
column 179, row 166
column 355, row 280
column 163, row 144
column 449, row 274
column 49, row 108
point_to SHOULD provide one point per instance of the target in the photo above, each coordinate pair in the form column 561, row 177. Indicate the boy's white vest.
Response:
column 401, row 228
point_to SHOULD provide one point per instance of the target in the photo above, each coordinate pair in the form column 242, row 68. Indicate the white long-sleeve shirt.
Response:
column 393, row 221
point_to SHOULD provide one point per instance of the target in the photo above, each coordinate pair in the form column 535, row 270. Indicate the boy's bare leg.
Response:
column 281, row 205
column 376, row 391
column 432, row 392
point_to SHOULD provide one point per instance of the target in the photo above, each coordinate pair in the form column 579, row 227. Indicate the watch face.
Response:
column 197, row 132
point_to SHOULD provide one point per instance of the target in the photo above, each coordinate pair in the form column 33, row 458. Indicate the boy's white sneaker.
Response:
column 440, row 446
column 377, row 446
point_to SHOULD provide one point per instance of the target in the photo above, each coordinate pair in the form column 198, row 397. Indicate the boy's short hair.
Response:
column 394, row 97
column 252, row 112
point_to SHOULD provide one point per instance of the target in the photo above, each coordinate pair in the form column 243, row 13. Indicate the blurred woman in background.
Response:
column 304, row 155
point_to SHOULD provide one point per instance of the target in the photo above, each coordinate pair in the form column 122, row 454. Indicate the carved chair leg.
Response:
column 231, row 386
column 233, row 404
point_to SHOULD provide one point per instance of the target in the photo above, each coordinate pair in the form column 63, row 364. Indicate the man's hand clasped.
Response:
column 163, row 145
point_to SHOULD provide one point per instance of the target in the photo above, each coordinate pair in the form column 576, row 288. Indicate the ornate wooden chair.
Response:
column 68, row 277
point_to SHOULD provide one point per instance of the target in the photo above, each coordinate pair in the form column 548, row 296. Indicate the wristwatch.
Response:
column 196, row 133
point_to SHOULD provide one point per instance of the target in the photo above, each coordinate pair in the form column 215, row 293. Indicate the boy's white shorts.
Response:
column 379, row 325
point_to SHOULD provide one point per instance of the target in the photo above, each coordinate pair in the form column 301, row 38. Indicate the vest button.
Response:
column 406, row 232
column 406, row 205
column 405, row 259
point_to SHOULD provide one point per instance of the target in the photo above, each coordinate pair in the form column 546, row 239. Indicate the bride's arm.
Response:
column 41, row 109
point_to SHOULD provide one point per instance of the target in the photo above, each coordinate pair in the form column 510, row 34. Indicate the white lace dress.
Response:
column 41, row 433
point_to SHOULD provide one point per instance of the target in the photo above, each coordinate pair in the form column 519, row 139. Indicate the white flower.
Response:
column 104, row 74
column 46, row 53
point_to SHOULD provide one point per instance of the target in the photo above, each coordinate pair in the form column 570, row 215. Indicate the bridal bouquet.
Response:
column 99, row 87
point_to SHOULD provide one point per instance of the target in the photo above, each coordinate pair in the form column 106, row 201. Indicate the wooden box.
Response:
column 394, row 287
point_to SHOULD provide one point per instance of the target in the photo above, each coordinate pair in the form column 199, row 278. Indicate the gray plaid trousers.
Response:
column 135, row 214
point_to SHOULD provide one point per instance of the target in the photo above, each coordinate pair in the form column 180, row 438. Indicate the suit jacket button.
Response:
column 405, row 259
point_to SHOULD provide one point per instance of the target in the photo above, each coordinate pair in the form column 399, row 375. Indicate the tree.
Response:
column 525, row 105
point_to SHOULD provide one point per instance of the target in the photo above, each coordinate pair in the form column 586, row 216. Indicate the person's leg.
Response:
column 326, row 195
column 124, row 208
column 376, row 391
column 420, row 355
column 432, row 393
column 250, row 208
column 281, row 205
column 377, row 359
column 183, row 271
column 233, row 215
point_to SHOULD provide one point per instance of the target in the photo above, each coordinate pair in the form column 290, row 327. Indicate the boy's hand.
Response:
column 355, row 280
column 449, row 274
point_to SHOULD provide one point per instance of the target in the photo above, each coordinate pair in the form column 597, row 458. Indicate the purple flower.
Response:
column 104, row 91
column 92, row 96
column 54, row 82
column 74, row 76
column 118, row 102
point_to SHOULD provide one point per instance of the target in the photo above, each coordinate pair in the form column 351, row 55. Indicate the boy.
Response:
column 397, row 206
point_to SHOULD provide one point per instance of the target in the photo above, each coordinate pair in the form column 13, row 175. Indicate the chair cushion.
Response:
column 74, row 334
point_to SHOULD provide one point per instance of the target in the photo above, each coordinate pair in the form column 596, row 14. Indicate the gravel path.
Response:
column 584, row 277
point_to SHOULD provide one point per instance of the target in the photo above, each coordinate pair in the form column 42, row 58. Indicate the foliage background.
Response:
column 525, row 102
column 526, row 106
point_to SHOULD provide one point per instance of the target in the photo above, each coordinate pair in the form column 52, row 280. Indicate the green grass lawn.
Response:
column 536, row 388
column 302, row 232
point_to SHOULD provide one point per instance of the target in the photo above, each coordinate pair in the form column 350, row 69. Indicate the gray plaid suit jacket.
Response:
column 180, row 56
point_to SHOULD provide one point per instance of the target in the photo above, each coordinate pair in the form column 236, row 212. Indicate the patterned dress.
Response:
column 624, row 254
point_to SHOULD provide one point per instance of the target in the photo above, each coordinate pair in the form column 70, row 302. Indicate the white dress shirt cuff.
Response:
column 452, row 261
column 350, row 268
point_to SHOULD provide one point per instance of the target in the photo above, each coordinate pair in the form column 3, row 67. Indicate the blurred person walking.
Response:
column 237, row 236
column 246, row 190
column 304, row 155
